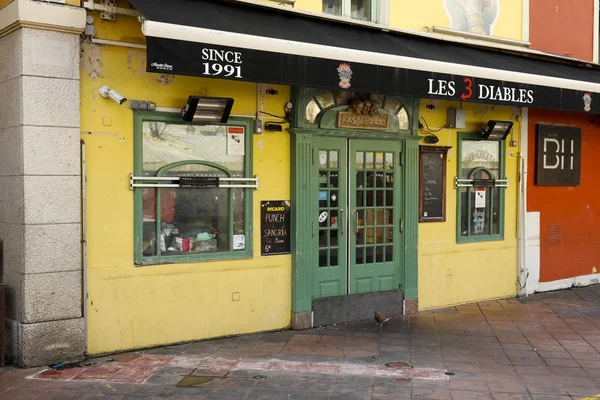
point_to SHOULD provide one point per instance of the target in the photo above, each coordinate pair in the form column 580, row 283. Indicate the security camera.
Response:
column 107, row 92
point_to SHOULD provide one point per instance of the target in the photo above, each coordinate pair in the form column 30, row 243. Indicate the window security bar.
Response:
column 464, row 182
column 191, row 182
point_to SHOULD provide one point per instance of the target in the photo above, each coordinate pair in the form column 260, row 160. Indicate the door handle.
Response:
column 313, row 229
column 341, row 222
column 355, row 221
column 401, row 226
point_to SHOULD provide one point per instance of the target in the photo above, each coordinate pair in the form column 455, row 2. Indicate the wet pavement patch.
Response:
column 189, row 381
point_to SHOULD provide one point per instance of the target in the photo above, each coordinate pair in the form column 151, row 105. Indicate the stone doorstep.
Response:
column 136, row 372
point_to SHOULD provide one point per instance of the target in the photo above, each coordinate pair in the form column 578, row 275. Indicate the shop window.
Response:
column 365, row 10
column 191, row 224
column 326, row 99
column 480, row 207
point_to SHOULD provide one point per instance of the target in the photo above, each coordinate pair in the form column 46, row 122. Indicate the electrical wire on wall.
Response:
column 431, row 133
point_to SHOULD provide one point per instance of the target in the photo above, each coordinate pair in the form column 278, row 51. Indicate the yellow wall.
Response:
column 451, row 273
column 415, row 15
column 133, row 307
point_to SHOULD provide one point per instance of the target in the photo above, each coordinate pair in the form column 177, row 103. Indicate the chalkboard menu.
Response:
column 275, row 227
column 432, row 183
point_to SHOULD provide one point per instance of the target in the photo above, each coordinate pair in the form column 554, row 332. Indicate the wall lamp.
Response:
column 496, row 130
column 207, row 109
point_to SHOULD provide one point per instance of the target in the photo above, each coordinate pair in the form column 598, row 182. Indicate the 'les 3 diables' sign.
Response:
column 440, row 87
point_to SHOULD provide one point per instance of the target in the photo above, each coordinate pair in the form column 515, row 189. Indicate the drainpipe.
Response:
column 523, row 273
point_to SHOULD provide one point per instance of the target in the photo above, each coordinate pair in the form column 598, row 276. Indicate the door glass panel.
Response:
column 376, row 204
column 379, row 160
column 360, row 160
column 360, row 255
column 329, row 202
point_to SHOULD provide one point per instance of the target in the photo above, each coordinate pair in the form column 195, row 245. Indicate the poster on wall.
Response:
column 558, row 155
column 275, row 227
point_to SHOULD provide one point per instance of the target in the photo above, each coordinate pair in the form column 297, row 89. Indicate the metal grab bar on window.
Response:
column 191, row 182
column 465, row 182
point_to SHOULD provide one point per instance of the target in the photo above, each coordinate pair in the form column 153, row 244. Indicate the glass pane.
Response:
column 194, row 221
column 333, row 197
column 333, row 257
column 333, row 238
column 323, row 180
column 312, row 111
column 370, row 180
column 392, row 104
column 322, row 159
column 370, row 198
column 389, row 160
column 389, row 253
column 389, row 239
column 360, row 198
column 166, row 143
column 379, row 238
column 390, row 217
column 239, row 215
column 332, row 7
column 379, row 195
column 403, row 120
column 333, row 219
column 480, row 153
column 149, row 222
column 379, row 251
column 333, row 159
column 333, row 179
column 369, row 255
column 496, row 216
column 464, row 212
column 360, row 160
column 369, row 162
column 322, row 258
column 323, row 219
column 370, row 235
column 379, row 160
column 380, row 179
column 389, row 198
column 323, row 239
column 360, row 255
column 361, row 9
column 360, row 180
column 325, row 98
column 389, row 180
column 379, row 98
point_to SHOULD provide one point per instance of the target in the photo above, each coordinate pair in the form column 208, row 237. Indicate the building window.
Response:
column 191, row 224
column 480, row 208
column 365, row 10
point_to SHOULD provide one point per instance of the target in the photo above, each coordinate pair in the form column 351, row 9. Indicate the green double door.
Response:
column 357, row 222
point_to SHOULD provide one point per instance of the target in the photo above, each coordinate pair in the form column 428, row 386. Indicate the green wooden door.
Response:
column 330, row 219
column 375, row 262
column 357, row 216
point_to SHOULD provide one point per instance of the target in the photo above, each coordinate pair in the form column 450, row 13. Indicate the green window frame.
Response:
column 465, row 234
column 345, row 9
column 139, row 259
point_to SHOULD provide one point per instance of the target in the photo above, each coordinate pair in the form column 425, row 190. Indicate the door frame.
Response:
column 302, row 152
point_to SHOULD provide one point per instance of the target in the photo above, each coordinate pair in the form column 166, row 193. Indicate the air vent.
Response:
column 555, row 234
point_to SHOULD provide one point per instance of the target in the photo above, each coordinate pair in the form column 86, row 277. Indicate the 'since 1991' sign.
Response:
column 223, row 63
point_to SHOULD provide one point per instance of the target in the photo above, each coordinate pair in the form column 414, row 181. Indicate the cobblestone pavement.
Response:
column 544, row 347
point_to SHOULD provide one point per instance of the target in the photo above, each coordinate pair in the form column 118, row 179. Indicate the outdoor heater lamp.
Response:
column 207, row 109
column 496, row 130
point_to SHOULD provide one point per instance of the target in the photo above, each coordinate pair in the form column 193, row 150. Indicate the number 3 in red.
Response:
column 468, row 89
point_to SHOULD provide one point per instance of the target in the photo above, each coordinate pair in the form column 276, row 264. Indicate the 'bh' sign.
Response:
column 558, row 155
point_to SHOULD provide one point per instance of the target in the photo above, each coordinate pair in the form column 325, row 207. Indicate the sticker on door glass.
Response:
column 239, row 242
column 333, row 197
column 323, row 216
column 323, row 195
column 235, row 141
column 479, row 197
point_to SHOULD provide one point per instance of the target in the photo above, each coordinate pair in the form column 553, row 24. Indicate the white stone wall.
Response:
column 40, row 205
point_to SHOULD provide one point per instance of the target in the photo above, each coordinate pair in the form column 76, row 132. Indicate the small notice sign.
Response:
column 480, row 197
column 275, row 227
column 235, row 141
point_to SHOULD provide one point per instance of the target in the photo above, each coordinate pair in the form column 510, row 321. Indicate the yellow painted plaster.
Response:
column 135, row 307
column 451, row 273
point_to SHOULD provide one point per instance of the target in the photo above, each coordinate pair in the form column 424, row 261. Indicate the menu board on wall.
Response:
column 432, row 183
column 275, row 227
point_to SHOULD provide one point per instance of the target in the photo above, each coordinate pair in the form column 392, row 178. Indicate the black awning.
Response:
column 240, row 41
